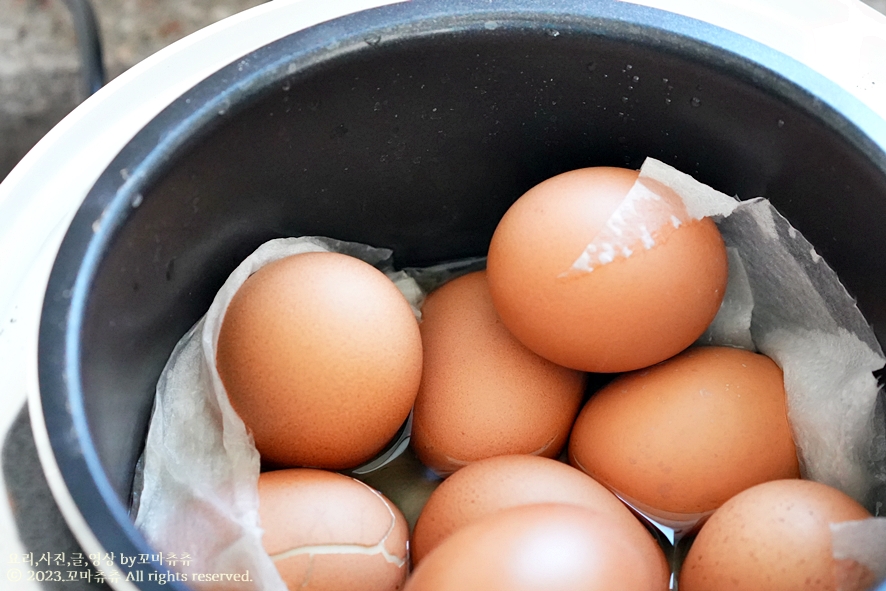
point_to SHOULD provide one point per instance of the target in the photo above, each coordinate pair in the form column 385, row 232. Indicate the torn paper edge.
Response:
column 660, row 201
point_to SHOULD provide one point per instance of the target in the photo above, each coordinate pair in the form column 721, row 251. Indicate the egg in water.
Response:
column 502, row 482
column 774, row 536
column 679, row 439
column 328, row 532
column 321, row 357
column 600, row 273
column 482, row 392
column 545, row 547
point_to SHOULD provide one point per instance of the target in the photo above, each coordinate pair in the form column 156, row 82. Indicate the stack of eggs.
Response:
column 592, row 272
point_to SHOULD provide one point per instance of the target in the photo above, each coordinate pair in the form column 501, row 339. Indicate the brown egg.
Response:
column 658, row 294
column 482, row 393
column 502, row 482
column 775, row 536
column 321, row 357
column 685, row 435
column 328, row 532
column 550, row 547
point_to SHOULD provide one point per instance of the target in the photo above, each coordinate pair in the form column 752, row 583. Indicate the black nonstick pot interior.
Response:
column 414, row 127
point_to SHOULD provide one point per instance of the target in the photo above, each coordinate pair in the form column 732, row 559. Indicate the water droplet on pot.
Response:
column 287, row 85
column 628, row 67
column 553, row 33
column 490, row 25
column 592, row 66
column 624, row 99
column 636, row 78
column 372, row 40
column 781, row 122
column 695, row 102
column 136, row 200
column 664, row 80
column 667, row 101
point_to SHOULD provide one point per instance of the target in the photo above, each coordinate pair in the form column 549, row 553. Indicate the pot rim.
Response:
column 58, row 416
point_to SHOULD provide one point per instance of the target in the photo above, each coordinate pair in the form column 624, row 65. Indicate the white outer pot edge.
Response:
column 119, row 111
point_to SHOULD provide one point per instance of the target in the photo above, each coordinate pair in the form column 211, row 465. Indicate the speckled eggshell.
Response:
column 328, row 532
column 689, row 433
column 321, row 357
column 775, row 536
column 483, row 393
column 624, row 315
column 502, row 482
column 549, row 547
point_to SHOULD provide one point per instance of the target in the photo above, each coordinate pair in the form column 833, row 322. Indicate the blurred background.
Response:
column 40, row 67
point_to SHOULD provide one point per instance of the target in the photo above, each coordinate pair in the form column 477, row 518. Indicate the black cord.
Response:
column 89, row 44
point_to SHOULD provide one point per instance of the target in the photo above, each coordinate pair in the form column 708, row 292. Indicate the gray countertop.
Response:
column 39, row 65
column 41, row 528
